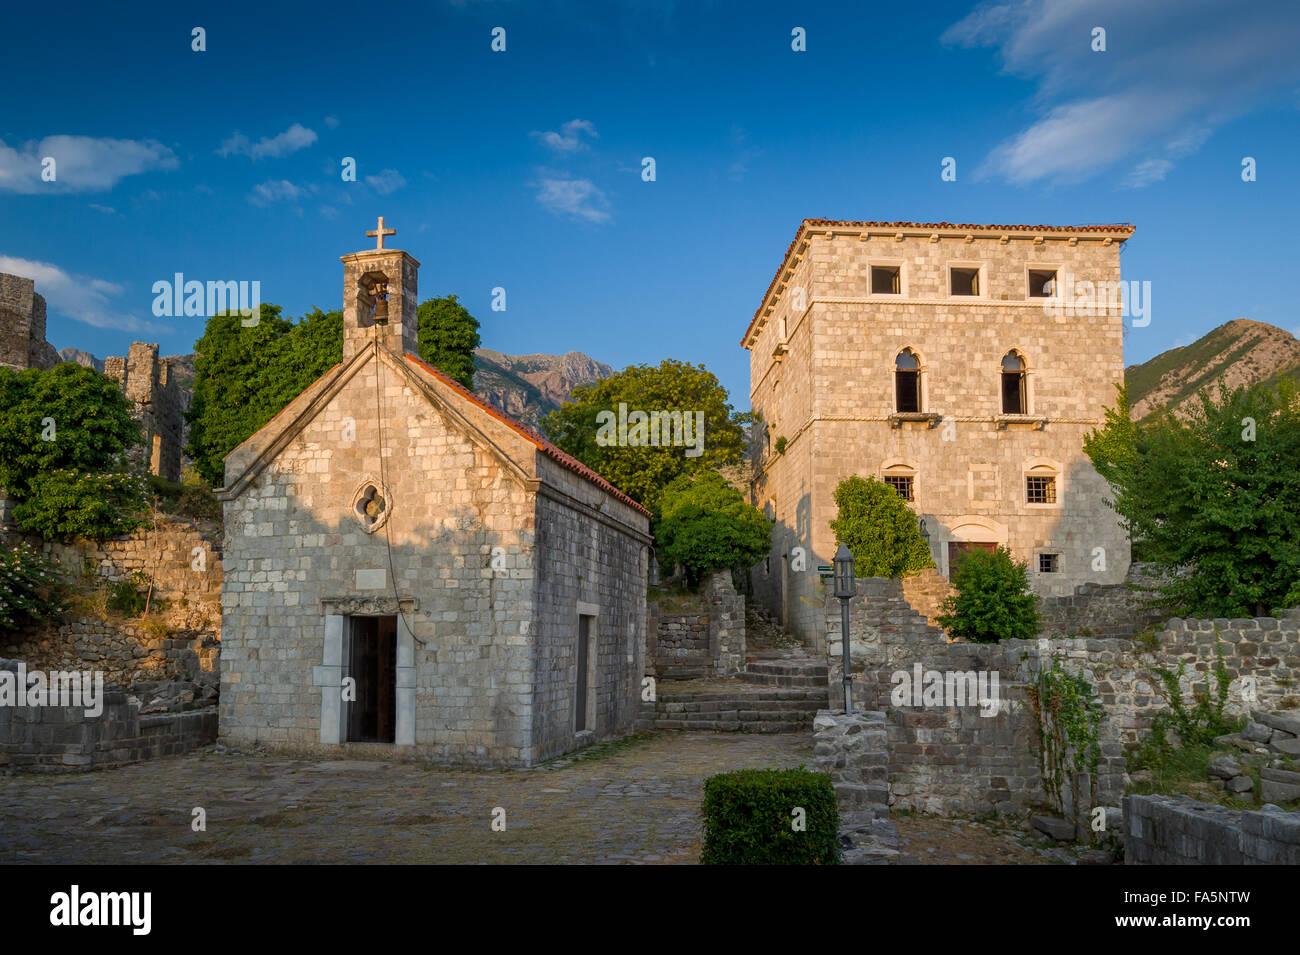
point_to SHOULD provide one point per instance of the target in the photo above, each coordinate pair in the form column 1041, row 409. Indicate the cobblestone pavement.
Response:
column 633, row 801
column 931, row 840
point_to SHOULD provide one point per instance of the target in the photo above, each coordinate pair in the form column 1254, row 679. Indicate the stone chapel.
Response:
column 410, row 572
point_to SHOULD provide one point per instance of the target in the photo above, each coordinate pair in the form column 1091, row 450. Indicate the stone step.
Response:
column 774, row 679
column 735, row 726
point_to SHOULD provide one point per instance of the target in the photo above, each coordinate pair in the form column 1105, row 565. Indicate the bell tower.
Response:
column 379, row 297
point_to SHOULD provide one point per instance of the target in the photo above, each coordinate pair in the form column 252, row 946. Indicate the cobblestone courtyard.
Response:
column 634, row 801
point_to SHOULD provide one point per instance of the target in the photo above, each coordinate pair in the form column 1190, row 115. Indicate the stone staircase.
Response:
column 785, row 668
column 729, row 706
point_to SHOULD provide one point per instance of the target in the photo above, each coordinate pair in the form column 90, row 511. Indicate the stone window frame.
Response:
column 1020, row 352
column 357, row 495
column 1056, row 552
column 982, row 280
column 1043, row 267
column 922, row 378
column 1043, row 467
column 904, row 279
column 898, row 468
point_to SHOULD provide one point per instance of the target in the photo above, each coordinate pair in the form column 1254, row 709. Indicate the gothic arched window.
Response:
column 1013, row 385
column 907, row 382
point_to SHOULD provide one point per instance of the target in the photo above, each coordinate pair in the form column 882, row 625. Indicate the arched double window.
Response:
column 907, row 382
column 1014, row 395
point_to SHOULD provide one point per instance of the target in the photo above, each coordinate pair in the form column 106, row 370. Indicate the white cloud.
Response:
column 274, row 190
column 107, row 210
column 332, row 122
column 576, row 198
column 570, row 137
column 294, row 138
column 81, row 163
column 79, row 297
column 1174, row 71
column 388, row 181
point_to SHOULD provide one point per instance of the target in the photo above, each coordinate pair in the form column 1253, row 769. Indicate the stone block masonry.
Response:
column 1168, row 830
column 22, row 325
column 707, row 639
column 61, row 739
column 159, row 404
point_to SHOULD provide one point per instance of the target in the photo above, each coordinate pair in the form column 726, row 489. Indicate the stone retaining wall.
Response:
column 711, row 634
column 1168, row 830
column 948, row 759
column 56, row 739
column 1101, row 610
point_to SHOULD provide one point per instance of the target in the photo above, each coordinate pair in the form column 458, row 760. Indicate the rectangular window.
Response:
column 1049, row 563
column 584, row 657
column 902, row 484
column 886, row 280
column 964, row 281
column 1040, row 490
column 1042, row 283
column 908, row 390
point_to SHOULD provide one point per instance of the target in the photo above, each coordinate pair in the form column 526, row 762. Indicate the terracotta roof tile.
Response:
column 550, row 450
column 1121, row 227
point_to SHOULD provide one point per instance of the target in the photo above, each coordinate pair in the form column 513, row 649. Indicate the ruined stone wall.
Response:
column 22, row 325
column 1168, row 830
column 60, row 739
column 953, row 759
column 704, row 640
column 1100, row 610
column 159, row 404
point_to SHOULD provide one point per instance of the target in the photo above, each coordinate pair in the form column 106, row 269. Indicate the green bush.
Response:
column 126, row 596
column 879, row 528
column 993, row 601
column 749, row 818
column 30, row 587
column 65, row 505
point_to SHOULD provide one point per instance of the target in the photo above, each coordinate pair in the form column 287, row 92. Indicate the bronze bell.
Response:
column 381, row 303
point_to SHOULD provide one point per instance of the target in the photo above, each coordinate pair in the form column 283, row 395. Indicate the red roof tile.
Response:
column 550, row 450
column 1122, row 227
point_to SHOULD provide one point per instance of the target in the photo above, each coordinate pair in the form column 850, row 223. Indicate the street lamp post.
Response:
column 845, row 588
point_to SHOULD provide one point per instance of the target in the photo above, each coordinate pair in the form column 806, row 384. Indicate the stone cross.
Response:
column 380, row 233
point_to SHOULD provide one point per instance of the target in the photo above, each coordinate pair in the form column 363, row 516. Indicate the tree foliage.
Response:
column 644, row 471
column 448, row 335
column 992, row 601
column 64, row 434
column 1212, row 500
column 879, row 528
column 706, row 525
column 245, row 375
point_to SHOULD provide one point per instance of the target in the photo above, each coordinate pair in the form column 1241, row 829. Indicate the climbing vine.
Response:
column 1198, row 725
column 1069, row 719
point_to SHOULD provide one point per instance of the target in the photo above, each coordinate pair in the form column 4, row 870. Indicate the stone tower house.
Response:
column 945, row 360
column 480, row 591
column 158, row 403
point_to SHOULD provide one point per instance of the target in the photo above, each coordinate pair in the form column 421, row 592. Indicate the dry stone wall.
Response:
column 1168, row 830
column 705, row 640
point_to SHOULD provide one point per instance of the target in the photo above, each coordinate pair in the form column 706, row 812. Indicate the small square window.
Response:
column 902, row 484
column 1049, row 563
column 1042, row 283
column 964, row 281
column 886, row 280
column 1040, row 490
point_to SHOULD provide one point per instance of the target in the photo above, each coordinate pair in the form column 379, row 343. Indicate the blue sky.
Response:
column 522, row 169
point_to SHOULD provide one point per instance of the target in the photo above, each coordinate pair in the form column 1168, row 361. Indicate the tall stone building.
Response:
column 22, row 325
column 954, row 362
column 481, row 593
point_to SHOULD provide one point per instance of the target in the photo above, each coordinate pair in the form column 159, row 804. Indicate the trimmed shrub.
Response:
column 879, row 528
column 749, row 818
column 993, row 600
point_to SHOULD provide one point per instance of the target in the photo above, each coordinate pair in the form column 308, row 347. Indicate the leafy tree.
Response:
column 706, row 525
column 64, row 434
column 448, row 335
column 582, row 425
column 244, row 376
column 879, row 528
column 31, row 589
column 992, row 601
column 1213, row 500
